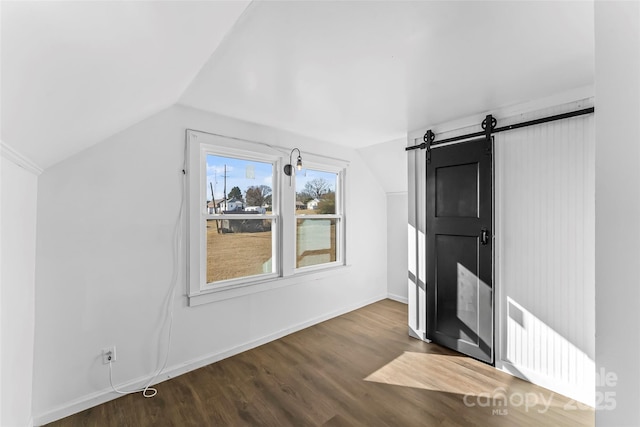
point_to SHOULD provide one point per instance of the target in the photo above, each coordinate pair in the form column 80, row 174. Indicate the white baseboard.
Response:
column 398, row 298
column 581, row 394
column 105, row 395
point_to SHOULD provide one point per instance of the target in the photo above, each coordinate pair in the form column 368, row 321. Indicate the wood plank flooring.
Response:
column 359, row 369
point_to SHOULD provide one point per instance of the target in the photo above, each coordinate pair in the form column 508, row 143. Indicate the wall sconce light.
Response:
column 288, row 169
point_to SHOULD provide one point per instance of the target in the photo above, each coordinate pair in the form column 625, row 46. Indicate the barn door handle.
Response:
column 484, row 236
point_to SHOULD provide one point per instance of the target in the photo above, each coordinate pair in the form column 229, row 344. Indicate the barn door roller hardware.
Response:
column 428, row 140
column 488, row 124
column 489, row 130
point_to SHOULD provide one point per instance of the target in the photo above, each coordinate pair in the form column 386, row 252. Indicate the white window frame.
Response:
column 283, row 217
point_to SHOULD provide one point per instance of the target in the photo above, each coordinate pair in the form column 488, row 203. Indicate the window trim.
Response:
column 284, row 218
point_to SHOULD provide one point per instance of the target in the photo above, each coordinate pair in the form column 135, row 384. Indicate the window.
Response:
column 318, row 218
column 239, row 218
column 248, row 225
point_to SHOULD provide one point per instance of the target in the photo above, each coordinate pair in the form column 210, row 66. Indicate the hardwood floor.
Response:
column 359, row 369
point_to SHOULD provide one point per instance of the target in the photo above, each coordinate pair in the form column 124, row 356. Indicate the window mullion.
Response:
column 288, row 197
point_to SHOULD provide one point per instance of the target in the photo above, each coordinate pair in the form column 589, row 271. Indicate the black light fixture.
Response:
column 288, row 169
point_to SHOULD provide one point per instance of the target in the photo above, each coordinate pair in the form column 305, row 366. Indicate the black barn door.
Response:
column 459, row 248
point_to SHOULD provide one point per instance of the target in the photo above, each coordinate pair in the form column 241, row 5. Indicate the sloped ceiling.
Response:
column 356, row 73
column 361, row 73
column 75, row 73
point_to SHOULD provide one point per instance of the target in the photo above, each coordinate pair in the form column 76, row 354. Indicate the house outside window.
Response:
column 240, row 241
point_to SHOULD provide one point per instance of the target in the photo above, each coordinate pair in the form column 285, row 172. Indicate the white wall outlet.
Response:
column 109, row 354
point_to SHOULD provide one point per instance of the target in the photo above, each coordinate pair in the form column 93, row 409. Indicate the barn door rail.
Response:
column 489, row 127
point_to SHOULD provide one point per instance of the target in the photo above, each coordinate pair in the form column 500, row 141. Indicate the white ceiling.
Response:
column 75, row 73
column 353, row 72
column 361, row 73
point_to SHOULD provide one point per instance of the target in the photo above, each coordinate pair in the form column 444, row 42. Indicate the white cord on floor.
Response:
column 152, row 391
column 149, row 391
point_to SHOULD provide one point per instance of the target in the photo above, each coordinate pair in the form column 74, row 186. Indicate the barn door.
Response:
column 459, row 248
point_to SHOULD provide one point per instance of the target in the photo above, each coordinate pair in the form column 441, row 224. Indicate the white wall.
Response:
column 397, row 243
column 617, row 229
column 105, row 219
column 18, row 230
column 545, row 211
column 388, row 162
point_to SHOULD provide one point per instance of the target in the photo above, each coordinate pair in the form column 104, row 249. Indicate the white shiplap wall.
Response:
column 545, row 219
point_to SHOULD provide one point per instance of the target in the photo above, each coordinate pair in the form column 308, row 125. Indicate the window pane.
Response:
column 238, row 248
column 316, row 192
column 315, row 241
column 236, row 185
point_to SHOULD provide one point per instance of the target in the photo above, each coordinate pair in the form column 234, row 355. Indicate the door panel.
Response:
column 452, row 318
column 459, row 261
column 457, row 191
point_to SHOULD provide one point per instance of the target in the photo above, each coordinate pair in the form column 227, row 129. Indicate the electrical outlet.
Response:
column 109, row 355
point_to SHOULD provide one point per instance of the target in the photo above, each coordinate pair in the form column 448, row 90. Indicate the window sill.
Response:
column 214, row 295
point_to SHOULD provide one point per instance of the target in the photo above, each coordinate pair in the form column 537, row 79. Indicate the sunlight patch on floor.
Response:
column 438, row 372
